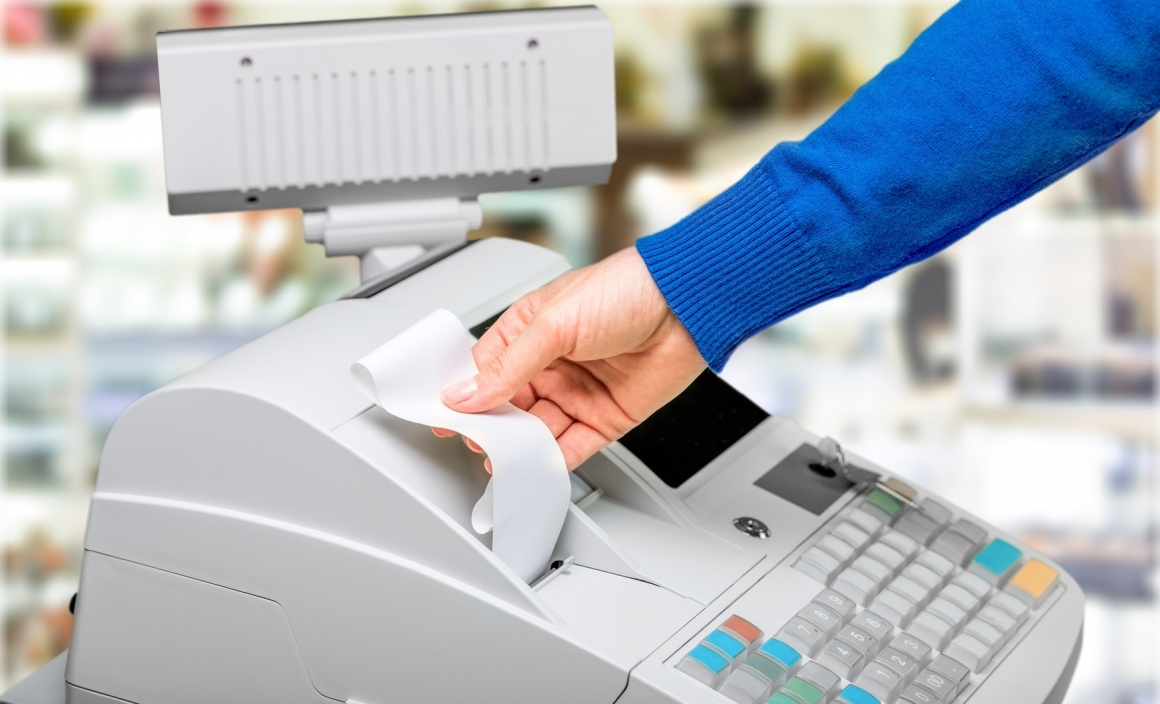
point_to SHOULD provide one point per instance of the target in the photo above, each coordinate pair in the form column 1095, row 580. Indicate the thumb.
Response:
column 508, row 371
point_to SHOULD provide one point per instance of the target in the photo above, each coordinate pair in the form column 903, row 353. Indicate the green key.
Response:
column 803, row 690
column 780, row 698
column 765, row 667
column 885, row 501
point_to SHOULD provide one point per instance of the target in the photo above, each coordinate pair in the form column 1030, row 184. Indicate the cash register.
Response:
column 261, row 533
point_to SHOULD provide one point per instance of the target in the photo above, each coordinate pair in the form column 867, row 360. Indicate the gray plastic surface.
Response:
column 44, row 686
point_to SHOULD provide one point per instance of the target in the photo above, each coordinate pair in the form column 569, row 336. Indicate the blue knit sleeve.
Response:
column 996, row 100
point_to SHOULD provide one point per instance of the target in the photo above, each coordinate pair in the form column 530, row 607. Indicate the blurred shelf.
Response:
column 43, row 77
column 1137, row 420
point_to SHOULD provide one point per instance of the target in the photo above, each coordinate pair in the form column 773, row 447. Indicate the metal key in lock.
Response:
column 834, row 457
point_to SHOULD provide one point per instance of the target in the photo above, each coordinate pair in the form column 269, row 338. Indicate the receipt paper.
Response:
column 525, row 502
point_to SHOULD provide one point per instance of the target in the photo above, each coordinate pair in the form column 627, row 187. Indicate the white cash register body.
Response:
column 261, row 533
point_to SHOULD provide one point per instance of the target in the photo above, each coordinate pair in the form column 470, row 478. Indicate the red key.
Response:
column 748, row 632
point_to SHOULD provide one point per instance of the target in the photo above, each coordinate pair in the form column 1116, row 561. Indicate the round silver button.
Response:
column 751, row 527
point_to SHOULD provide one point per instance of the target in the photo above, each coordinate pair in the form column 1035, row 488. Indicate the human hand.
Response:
column 591, row 354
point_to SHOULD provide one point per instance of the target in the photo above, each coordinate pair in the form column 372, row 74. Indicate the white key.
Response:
column 911, row 590
column 988, row 634
column 973, row 583
column 932, row 630
column 837, row 547
column 887, row 556
column 970, row 651
column 852, row 534
column 872, row 568
column 821, row 678
column 744, row 687
column 913, row 694
column 865, row 521
column 819, row 564
column 936, row 563
column 923, row 576
column 895, row 607
column 905, row 545
column 962, row 598
column 948, row 611
column 1000, row 619
column 857, row 586
column 1014, row 607
column 881, row 681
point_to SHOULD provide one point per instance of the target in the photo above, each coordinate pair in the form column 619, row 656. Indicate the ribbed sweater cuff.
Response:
column 736, row 266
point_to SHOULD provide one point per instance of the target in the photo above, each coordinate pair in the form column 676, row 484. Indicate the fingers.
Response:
column 551, row 415
column 500, row 379
column 578, row 443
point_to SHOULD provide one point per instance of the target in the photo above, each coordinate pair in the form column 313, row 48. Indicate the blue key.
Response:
column 781, row 652
column 725, row 643
column 709, row 658
column 996, row 560
column 857, row 695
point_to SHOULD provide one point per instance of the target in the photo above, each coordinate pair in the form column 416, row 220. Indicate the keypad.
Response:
column 911, row 606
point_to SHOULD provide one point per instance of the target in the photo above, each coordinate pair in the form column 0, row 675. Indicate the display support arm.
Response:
column 384, row 236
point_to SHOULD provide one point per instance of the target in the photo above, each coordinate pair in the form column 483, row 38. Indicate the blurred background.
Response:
column 1014, row 373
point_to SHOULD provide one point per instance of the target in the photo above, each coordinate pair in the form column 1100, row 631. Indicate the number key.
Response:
column 823, row 618
column 900, row 662
column 799, row 631
column 914, row 694
column 938, row 685
column 859, row 639
column 839, row 604
column 912, row 646
column 877, row 626
column 840, row 659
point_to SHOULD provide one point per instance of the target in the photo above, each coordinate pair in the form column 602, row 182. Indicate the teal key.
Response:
column 996, row 561
column 725, row 643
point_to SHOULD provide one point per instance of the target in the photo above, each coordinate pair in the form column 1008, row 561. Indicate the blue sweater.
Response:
column 996, row 100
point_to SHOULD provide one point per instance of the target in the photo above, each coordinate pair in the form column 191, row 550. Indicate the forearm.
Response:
column 996, row 100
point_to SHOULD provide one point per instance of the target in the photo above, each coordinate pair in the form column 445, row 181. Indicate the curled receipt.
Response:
column 527, row 498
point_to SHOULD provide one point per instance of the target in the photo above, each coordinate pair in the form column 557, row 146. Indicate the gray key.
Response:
column 874, row 624
column 970, row 531
column 899, row 661
column 821, row 678
column 914, row 694
column 937, row 684
column 841, row 658
column 952, row 669
column 936, row 511
column 800, row 631
column 881, row 681
column 822, row 617
column 861, row 640
column 954, row 547
column 918, row 526
column 912, row 646
column 838, row 603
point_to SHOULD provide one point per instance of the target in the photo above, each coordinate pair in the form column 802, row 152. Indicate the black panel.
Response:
column 803, row 480
column 483, row 327
column 693, row 429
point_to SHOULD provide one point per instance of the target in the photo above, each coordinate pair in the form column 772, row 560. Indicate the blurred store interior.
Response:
column 1015, row 373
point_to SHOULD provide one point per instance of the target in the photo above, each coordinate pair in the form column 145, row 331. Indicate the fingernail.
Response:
column 458, row 393
column 487, row 465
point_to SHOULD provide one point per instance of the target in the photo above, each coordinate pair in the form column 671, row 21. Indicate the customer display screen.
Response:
column 707, row 418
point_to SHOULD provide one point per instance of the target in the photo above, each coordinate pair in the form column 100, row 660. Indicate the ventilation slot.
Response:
column 393, row 124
